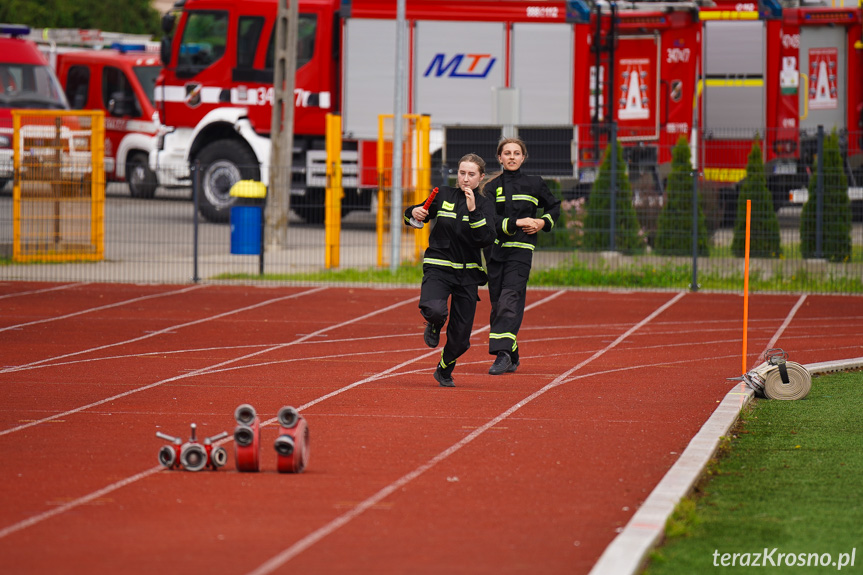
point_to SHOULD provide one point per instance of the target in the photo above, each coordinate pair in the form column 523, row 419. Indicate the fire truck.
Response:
column 116, row 73
column 555, row 72
column 26, row 81
column 479, row 64
column 120, row 81
column 777, row 73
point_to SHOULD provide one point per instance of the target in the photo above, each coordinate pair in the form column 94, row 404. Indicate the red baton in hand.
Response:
column 426, row 206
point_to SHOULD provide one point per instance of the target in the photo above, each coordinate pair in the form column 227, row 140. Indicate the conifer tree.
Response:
column 764, row 238
column 629, row 237
column 674, row 228
column 836, row 208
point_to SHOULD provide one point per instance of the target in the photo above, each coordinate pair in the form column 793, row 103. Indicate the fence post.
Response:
column 694, row 285
column 612, row 143
column 196, row 186
column 819, row 195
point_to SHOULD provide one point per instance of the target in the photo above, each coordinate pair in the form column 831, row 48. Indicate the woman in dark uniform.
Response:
column 517, row 198
column 452, row 264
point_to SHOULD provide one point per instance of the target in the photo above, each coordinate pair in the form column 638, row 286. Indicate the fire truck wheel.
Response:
column 141, row 179
column 223, row 164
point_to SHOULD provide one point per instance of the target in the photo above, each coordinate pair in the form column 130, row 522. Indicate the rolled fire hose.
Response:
column 767, row 380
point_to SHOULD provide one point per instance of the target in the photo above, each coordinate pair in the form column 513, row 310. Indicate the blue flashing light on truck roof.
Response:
column 126, row 48
column 14, row 30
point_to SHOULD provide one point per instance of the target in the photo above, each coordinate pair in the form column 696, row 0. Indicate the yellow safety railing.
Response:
column 58, row 209
column 416, row 182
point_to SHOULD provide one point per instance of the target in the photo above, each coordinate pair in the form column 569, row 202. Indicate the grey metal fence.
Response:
column 806, row 231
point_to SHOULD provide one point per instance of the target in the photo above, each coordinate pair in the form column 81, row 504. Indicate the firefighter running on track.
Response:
column 517, row 198
column 452, row 264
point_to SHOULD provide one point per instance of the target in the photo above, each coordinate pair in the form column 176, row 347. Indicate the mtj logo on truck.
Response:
column 461, row 66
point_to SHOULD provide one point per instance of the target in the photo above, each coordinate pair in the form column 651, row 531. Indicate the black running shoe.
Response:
column 431, row 335
column 502, row 364
column 443, row 380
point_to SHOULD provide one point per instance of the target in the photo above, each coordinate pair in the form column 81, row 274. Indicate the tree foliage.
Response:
column 128, row 16
column 674, row 228
column 764, row 238
column 836, row 208
column 628, row 236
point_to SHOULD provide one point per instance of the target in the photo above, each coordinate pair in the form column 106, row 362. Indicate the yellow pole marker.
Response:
column 334, row 191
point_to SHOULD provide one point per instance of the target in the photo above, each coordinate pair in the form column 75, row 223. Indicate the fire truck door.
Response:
column 121, row 106
column 636, row 87
column 824, row 70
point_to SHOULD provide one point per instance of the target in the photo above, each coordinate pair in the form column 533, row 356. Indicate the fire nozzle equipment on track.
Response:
column 192, row 455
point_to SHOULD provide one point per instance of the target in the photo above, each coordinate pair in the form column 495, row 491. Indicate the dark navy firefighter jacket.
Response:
column 458, row 235
column 517, row 195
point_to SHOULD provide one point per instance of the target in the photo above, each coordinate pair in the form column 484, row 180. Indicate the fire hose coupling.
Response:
column 777, row 356
column 192, row 455
column 247, row 438
column 292, row 444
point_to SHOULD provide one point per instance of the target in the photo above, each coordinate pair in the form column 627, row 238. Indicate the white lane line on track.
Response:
column 185, row 375
column 289, row 553
column 151, row 334
column 402, row 364
column 44, row 290
column 129, row 480
column 627, row 552
column 76, row 503
column 114, row 486
column 175, row 352
column 784, row 325
column 100, row 308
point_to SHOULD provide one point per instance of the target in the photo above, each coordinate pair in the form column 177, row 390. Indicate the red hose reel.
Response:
column 247, row 438
column 292, row 444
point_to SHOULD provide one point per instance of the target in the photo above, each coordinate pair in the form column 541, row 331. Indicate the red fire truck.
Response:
column 26, row 81
column 778, row 73
column 481, row 63
column 115, row 73
column 647, row 56
column 556, row 71
column 120, row 81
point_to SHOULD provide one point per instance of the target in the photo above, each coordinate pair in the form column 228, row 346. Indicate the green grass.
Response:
column 790, row 251
column 790, row 478
column 576, row 274
column 406, row 274
column 672, row 276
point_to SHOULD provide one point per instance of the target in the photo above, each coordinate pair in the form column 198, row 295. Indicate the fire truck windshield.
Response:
column 204, row 39
column 30, row 86
column 147, row 78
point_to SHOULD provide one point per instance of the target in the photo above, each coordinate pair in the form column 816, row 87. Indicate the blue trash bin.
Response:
column 246, row 230
column 247, row 216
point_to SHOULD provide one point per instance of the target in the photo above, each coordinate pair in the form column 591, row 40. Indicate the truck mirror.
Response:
column 165, row 51
column 168, row 23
